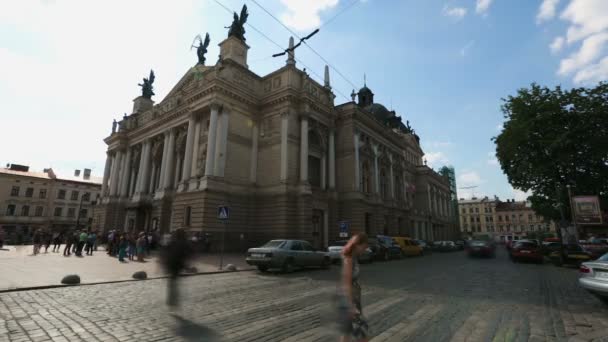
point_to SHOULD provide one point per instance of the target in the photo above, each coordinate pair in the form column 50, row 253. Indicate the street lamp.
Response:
column 79, row 210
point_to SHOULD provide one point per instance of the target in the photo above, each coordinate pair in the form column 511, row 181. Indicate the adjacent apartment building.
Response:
column 275, row 149
column 498, row 218
column 32, row 200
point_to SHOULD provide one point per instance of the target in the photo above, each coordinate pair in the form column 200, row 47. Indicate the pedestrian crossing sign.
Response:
column 223, row 212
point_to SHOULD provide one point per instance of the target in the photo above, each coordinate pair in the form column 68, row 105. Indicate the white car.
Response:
column 593, row 277
column 335, row 250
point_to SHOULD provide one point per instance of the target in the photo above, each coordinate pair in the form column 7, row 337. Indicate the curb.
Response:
column 45, row 287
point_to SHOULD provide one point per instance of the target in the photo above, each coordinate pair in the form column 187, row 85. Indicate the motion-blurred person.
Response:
column 174, row 259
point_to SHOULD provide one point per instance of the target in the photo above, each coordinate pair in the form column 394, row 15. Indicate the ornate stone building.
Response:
column 277, row 151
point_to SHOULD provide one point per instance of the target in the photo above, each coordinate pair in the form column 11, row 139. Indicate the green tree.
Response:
column 552, row 138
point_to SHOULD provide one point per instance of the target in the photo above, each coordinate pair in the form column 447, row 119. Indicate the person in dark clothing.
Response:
column 68, row 244
column 75, row 241
column 57, row 237
column 174, row 259
column 37, row 239
column 47, row 238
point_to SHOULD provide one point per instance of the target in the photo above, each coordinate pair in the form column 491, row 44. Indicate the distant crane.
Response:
column 470, row 187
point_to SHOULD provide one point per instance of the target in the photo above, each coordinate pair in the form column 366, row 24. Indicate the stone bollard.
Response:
column 230, row 267
column 141, row 275
column 71, row 279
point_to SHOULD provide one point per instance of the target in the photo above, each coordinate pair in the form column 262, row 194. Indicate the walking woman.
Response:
column 122, row 248
column 352, row 323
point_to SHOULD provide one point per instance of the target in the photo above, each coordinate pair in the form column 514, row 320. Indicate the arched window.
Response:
column 383, row 184
column 365, row 178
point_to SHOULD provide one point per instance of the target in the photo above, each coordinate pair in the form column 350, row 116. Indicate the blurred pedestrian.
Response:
column 132, row 249
column 122, row 248
column 352, row 323
column 68, row 244
column 37, row 240
column 75, row 240
column 140, row 245
column 57, row 237
column 110, row 242
column 91, row 238
column 174, row 259
column 47, row 238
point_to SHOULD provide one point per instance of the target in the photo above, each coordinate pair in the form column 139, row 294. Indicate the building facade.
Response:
column 275, row 150
column 44, row 200
column 498, row 218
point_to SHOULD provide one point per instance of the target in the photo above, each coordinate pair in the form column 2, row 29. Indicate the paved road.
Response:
column 443, row 297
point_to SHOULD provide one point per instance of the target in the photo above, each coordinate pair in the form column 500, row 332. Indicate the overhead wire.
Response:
column 281, row 47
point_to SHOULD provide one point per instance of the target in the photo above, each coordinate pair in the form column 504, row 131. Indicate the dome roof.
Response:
column 379, row 111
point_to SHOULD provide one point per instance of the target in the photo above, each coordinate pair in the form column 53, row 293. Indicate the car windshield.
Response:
column 338, row 243
column 603, row 257
column 526, row 244
column 274, row 244
column 574, row 248
column 477, row 243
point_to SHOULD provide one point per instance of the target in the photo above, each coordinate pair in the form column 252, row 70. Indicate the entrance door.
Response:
column 317, row 228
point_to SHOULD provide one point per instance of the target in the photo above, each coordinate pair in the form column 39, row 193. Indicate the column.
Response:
column 284, row 142
column 211, row 136
column 405, row 185
column 323, row 172
column 376, row 171
column 254, row 153
column 197, row 133
column 116, row 175
column 332, row 160
column 145, row 168
column 106, row 175
column 125, row 175
column 188, row 152
column 357, row 164
column 163, row 162
column 132, row 183
column 153, row 177
column 167, row 181
column 112, row 172
column 304, row 148
column 222, row 142
column 392, row 181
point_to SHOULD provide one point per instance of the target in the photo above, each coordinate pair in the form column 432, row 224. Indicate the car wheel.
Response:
column 287, row 266
column 326, row 263
column 262, row 268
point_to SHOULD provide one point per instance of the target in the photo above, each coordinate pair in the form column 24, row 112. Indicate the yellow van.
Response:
column 409, row 247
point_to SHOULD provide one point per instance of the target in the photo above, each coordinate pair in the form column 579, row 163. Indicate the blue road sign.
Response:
column 223, row 212
column 344, row 228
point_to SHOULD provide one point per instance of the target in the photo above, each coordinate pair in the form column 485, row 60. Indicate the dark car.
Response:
column 595, row 249
column 427, row 248
column 528, row 250
column 573, row 254
column 286, row 255
column 384, row 248
column 460, row 244
column 550, row 247
column 478, row 248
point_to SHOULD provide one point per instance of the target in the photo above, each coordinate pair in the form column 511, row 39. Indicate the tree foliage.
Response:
column 552, row 138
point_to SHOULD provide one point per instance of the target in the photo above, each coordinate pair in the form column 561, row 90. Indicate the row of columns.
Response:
column 120, row 180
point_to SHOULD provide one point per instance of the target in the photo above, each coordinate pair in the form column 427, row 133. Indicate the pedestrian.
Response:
column 68, row 244
column 115, row 241
column 122, row 248
column 75, row 241
column 82, row 240
column 110, row 241
column 174, row 259
column 132, row 249
column 352, row 322
column 140, row 246
column 57, row 242
column 37, row 239
column 46, row 238
column 91, row 238
column 148, row 243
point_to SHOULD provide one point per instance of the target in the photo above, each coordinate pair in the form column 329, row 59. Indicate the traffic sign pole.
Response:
column 223, row 214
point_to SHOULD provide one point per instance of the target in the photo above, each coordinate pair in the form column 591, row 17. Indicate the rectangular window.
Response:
column 187, row 216
column 83, row 213
column 86, row 196
column 464, row 211
column 471, row 210
column 39, row 211
column 15, row 191
column 71, row 212
column 477, row 219
column 25, row 210
column 476, row 210
column 529, row 217
column 29, row 192
column 42, row 193
column 314, row 171
column 10, row 210
column 499, row 218
column 58, row 211
column 506, row 218
column 61, row 194
column 74, row 195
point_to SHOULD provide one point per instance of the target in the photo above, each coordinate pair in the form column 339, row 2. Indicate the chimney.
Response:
column 76, row 173
column 87, row 174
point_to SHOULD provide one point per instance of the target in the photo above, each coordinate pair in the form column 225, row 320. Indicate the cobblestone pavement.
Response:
column 443, row 297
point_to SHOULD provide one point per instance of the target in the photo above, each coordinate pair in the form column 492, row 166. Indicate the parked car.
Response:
column 595, row 249
column 445, row 246
column 509, row 244
column 476, row 248
column 460, row 244
column 529, row 250
column 426, row 247
column 286, row 255
column 408, row 246
column 384, row 248
column 593, row 277
column 573, row 254
column 550, row 247
column 335, row 252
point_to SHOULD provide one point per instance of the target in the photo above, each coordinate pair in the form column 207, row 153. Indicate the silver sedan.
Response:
column 594, row 277
column 286, row 255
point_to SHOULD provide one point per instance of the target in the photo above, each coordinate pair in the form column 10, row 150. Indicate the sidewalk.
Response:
column 19, row 268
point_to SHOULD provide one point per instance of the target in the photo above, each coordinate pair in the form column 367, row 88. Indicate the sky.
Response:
column 69, row 67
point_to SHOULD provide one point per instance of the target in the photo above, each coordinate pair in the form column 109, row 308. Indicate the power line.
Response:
column 310, row 47
column 279, row 46
column 346, row 8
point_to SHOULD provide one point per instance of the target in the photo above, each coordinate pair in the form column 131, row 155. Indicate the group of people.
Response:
column 132, row 246
column 75, row 242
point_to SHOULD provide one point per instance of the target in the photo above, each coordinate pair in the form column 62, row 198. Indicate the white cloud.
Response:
column 546, row 10
column 519, row 195
column 589, row 26
column 499, row 127
column 304, row 15
column 465, row 49
column 492, row 159
column 469, row 178
column 482, row 6
column 454, row 12
column 557, row 44
column 436, row 159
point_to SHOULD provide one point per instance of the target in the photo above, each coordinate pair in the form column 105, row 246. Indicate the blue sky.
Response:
column 69, row 67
